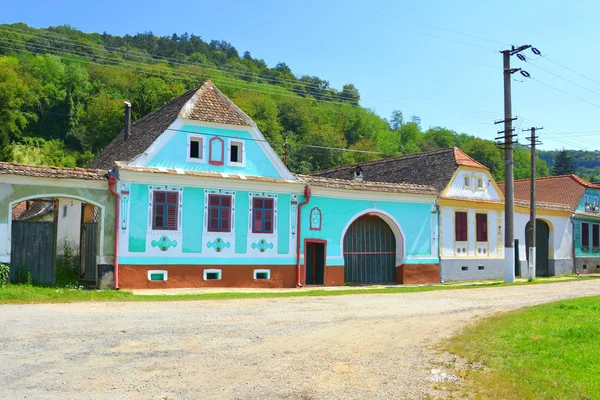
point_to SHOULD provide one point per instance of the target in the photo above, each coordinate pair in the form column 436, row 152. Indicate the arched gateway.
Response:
column 369, row 251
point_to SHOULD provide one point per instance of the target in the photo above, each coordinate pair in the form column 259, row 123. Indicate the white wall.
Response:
column 69, row 225
column 457, row 187
column 495, row 234
column 561, row 234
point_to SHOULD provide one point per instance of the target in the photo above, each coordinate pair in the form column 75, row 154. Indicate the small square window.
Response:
column 196, row 148
column 464, row 268
column 212, row 274
column 157, row 275
column 481, row 267
column 262, row 274
column 235, row 152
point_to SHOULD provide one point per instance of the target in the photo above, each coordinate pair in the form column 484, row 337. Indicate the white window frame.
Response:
column 262, row 271
column 165, row 188
column 210, row 271
column 158, row 271
column 202, row 150
column 482, row 181
column 241, row 152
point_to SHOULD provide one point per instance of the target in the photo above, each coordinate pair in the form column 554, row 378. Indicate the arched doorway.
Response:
column 369, row 251
column 542, row 238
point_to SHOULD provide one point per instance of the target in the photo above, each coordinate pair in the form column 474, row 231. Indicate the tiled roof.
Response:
column 302, row 179
column 51, row 172
column 564, row 189
column 434, row 168
column 37, row 209
column 206, row 104
column 544, row 205
column 463, row 159
column 369, row 186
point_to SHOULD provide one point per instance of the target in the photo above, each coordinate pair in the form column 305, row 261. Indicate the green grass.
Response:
column 67, row 292
column 550, row 351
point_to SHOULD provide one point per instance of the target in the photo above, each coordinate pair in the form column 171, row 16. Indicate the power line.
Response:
column 562, row 91
column 565, row 79
column 570, row 70
column 186, row 75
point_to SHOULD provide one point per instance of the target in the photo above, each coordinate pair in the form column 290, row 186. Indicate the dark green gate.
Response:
column 32, row 252
column 542, row 236
column 88, row 251
column 315, row 263
column 369, row 251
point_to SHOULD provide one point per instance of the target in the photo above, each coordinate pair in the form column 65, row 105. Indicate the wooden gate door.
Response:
column 369, row 251
column 88, row 248
column 314, row 256
column 33, row 251
column 542, row 236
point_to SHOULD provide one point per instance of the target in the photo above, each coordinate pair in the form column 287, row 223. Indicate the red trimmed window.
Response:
column 219, row 213
column 164, row 210
column 482, row 227
column 585, row 234
column 596, row 235
column 262, row 215
column 216, row 151
column 460, row 226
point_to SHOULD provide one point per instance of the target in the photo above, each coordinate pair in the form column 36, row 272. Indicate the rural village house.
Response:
column 471, row 206
column 205, row 201
column 567, row 224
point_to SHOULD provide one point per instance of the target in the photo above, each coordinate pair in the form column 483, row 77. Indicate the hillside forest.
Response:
column 62, row 93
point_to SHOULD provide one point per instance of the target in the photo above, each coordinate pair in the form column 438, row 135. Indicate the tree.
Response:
column 563, row 164
column 486, row 152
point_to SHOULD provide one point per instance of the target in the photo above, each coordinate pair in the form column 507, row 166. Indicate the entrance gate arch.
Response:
column 369, row 251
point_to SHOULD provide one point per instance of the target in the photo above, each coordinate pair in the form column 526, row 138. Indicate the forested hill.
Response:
column 586, row 163
column 62, row 92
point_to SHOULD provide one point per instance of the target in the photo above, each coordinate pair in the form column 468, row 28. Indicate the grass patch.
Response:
column 68, row 291
column 551, row 351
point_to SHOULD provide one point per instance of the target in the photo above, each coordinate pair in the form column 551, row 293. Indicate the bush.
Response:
column 4, row 274
column 24, row 275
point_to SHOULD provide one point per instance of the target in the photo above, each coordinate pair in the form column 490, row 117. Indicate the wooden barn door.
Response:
column 369, row 251
column 33, row 251
column 89, row 243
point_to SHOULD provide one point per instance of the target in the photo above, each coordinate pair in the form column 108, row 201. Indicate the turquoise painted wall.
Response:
column 414, row 220
column 174, row 153
column 592, row 194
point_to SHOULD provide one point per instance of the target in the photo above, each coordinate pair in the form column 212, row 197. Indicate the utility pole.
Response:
column 285, row 153
column 509, row 204
column 532, row 204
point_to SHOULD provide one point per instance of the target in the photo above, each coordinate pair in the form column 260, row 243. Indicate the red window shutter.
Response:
column 481, row 220
column 226, row 201
column 159, row 197
column 585, row 234
column 173, row 197
column 172, row 216
column 159, row 215
column 269, row 226
column 596, row 235
column 269, row 203
column 213, row 200
column 460, row 225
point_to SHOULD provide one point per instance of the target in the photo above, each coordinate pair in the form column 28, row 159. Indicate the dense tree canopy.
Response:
column 62, row 92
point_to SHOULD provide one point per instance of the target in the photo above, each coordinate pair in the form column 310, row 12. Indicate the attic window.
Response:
column 480, row 183
column 195, row 148
column 236, row 152
column 467, row 181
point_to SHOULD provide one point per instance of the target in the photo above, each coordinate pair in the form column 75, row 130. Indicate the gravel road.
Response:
column 346, row 347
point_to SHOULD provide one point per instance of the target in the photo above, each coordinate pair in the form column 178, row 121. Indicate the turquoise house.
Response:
column 203, row 200
column 586, row 227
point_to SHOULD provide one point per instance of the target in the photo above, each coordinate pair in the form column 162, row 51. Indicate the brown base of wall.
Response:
column 189, row 276
column 242, row 276
column 414, row 274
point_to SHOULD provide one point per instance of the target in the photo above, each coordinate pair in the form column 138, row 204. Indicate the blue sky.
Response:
column 425, row 58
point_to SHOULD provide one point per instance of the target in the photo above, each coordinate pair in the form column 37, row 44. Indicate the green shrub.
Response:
column 24, row 275
column 4, row 274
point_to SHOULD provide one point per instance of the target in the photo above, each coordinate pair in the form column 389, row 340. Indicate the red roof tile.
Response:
column 463, row 159
column 209, row 104
column 563, row 189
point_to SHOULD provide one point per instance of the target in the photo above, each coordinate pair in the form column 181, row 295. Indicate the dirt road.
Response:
column 346, row 347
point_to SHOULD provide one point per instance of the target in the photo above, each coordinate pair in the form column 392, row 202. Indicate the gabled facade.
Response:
column 565, row 225
column 205, row 201
column 469, row 203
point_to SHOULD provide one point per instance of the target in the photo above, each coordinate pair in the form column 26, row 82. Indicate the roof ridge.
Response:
column 365, row 182
column 80, row 169
column 141, row 119
column 385, row 160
